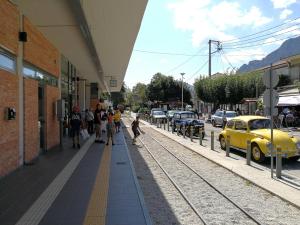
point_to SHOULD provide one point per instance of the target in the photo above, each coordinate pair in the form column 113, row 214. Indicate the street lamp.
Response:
column 182, row 91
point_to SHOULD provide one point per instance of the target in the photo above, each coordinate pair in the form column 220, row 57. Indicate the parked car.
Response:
column 217, row 118
column 159, row 115
column 170, row 114
column 153, row 110
column 187, row 119
column 257, row 130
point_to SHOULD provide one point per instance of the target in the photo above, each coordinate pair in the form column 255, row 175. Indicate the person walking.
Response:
column 136, row 129
column 117, row 120
column 75, row 123
column 97, row 121
column 224, row 119
column 89, row 117
column 110, row 128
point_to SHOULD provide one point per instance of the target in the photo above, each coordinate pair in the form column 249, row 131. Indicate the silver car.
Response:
column 218, row 117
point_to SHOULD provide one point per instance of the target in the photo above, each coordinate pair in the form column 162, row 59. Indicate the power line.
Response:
column 203, row 65
column 279, row 34
column 249, row 35
column 168, row 53
column 223, row 54
column 265, row 43
column 186, row 61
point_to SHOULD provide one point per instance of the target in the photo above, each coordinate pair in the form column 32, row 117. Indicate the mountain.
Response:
column 288, row 48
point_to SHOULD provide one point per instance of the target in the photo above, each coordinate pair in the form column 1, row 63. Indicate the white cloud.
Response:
column 238, row 57
column 290, row 31
column 282, row 4
column 206, row 20
column 273, row 41
column 285, row 13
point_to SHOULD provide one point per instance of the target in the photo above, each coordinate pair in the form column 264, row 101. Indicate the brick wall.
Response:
column 9, row 129
column 52, row 124
column 9, row 26
column 31, row 132
column 39, row 51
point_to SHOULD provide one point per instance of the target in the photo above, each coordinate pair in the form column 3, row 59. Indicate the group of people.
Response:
column 100, row 121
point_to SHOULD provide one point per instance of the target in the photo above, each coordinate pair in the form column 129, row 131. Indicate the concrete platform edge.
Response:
column 138, row 188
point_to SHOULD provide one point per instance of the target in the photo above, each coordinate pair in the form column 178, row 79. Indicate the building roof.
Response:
column 97, row 36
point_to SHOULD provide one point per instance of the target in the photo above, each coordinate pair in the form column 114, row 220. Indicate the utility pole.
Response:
column 209, row 59
column 182, row 91
column 219, row 47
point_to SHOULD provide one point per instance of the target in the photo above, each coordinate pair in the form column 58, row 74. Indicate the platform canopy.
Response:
column 97, row 36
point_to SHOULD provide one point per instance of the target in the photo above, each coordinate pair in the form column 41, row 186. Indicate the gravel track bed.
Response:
column 213, row 207
column 267, row 208
column 164, row 202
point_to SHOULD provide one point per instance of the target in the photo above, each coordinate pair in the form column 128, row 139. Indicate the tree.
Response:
column 165, row 88
column 229, row 89
column 140, row 93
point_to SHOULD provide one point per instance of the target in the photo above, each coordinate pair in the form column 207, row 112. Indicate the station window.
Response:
column 41, row 76
column 7, row 61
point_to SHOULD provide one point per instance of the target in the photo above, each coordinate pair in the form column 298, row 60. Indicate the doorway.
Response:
column 42, row 119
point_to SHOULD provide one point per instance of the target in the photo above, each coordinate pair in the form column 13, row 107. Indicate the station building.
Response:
column 50, row 50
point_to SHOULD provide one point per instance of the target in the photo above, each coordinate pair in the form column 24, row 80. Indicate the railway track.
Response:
column 211, row 205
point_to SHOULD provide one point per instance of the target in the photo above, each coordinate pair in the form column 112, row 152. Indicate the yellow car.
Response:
column 257, row 130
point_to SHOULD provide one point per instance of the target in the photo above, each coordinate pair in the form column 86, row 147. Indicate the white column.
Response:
column 20, row 114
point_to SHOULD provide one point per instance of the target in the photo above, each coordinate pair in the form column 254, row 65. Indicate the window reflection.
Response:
column 7, row 62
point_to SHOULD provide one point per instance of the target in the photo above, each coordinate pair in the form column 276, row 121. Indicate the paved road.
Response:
column 290, row 169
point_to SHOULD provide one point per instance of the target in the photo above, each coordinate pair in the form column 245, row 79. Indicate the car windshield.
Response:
column 230, row 114
column 171, row 113
column 188, row 115
column 259, row 124
column 158, row 113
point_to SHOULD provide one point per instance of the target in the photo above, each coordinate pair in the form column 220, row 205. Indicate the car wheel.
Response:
column 222, row 142
column 294, row 159
column 213, row 123
column 257, row 154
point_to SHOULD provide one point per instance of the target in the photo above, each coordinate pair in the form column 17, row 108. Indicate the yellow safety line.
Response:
column 96, row 212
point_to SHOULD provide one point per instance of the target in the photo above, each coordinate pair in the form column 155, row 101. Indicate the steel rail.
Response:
column 207, row 182
column 175, row 185
column 201, row 177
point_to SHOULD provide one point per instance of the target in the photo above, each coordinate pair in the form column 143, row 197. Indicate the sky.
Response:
column 174, row 34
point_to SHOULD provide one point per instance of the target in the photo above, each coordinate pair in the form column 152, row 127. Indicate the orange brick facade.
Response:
column 9, row 26
column 31, row 132
column 39, row 51
column 9, row 129
column 52, row 124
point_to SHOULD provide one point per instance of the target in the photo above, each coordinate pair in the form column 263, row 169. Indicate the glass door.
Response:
column 42, row 118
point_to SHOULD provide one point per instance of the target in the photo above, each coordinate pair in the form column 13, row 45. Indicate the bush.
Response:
column 135, row 108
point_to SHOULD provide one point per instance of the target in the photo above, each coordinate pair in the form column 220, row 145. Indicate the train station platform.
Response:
column 93, row 185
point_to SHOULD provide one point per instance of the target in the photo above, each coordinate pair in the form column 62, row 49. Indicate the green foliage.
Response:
column 135, row 108
column 165, row 88
column 284, row 80
column 139, row 94
column 229, row 89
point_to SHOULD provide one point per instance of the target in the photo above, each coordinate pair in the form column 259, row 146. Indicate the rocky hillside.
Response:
column 288, row 48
